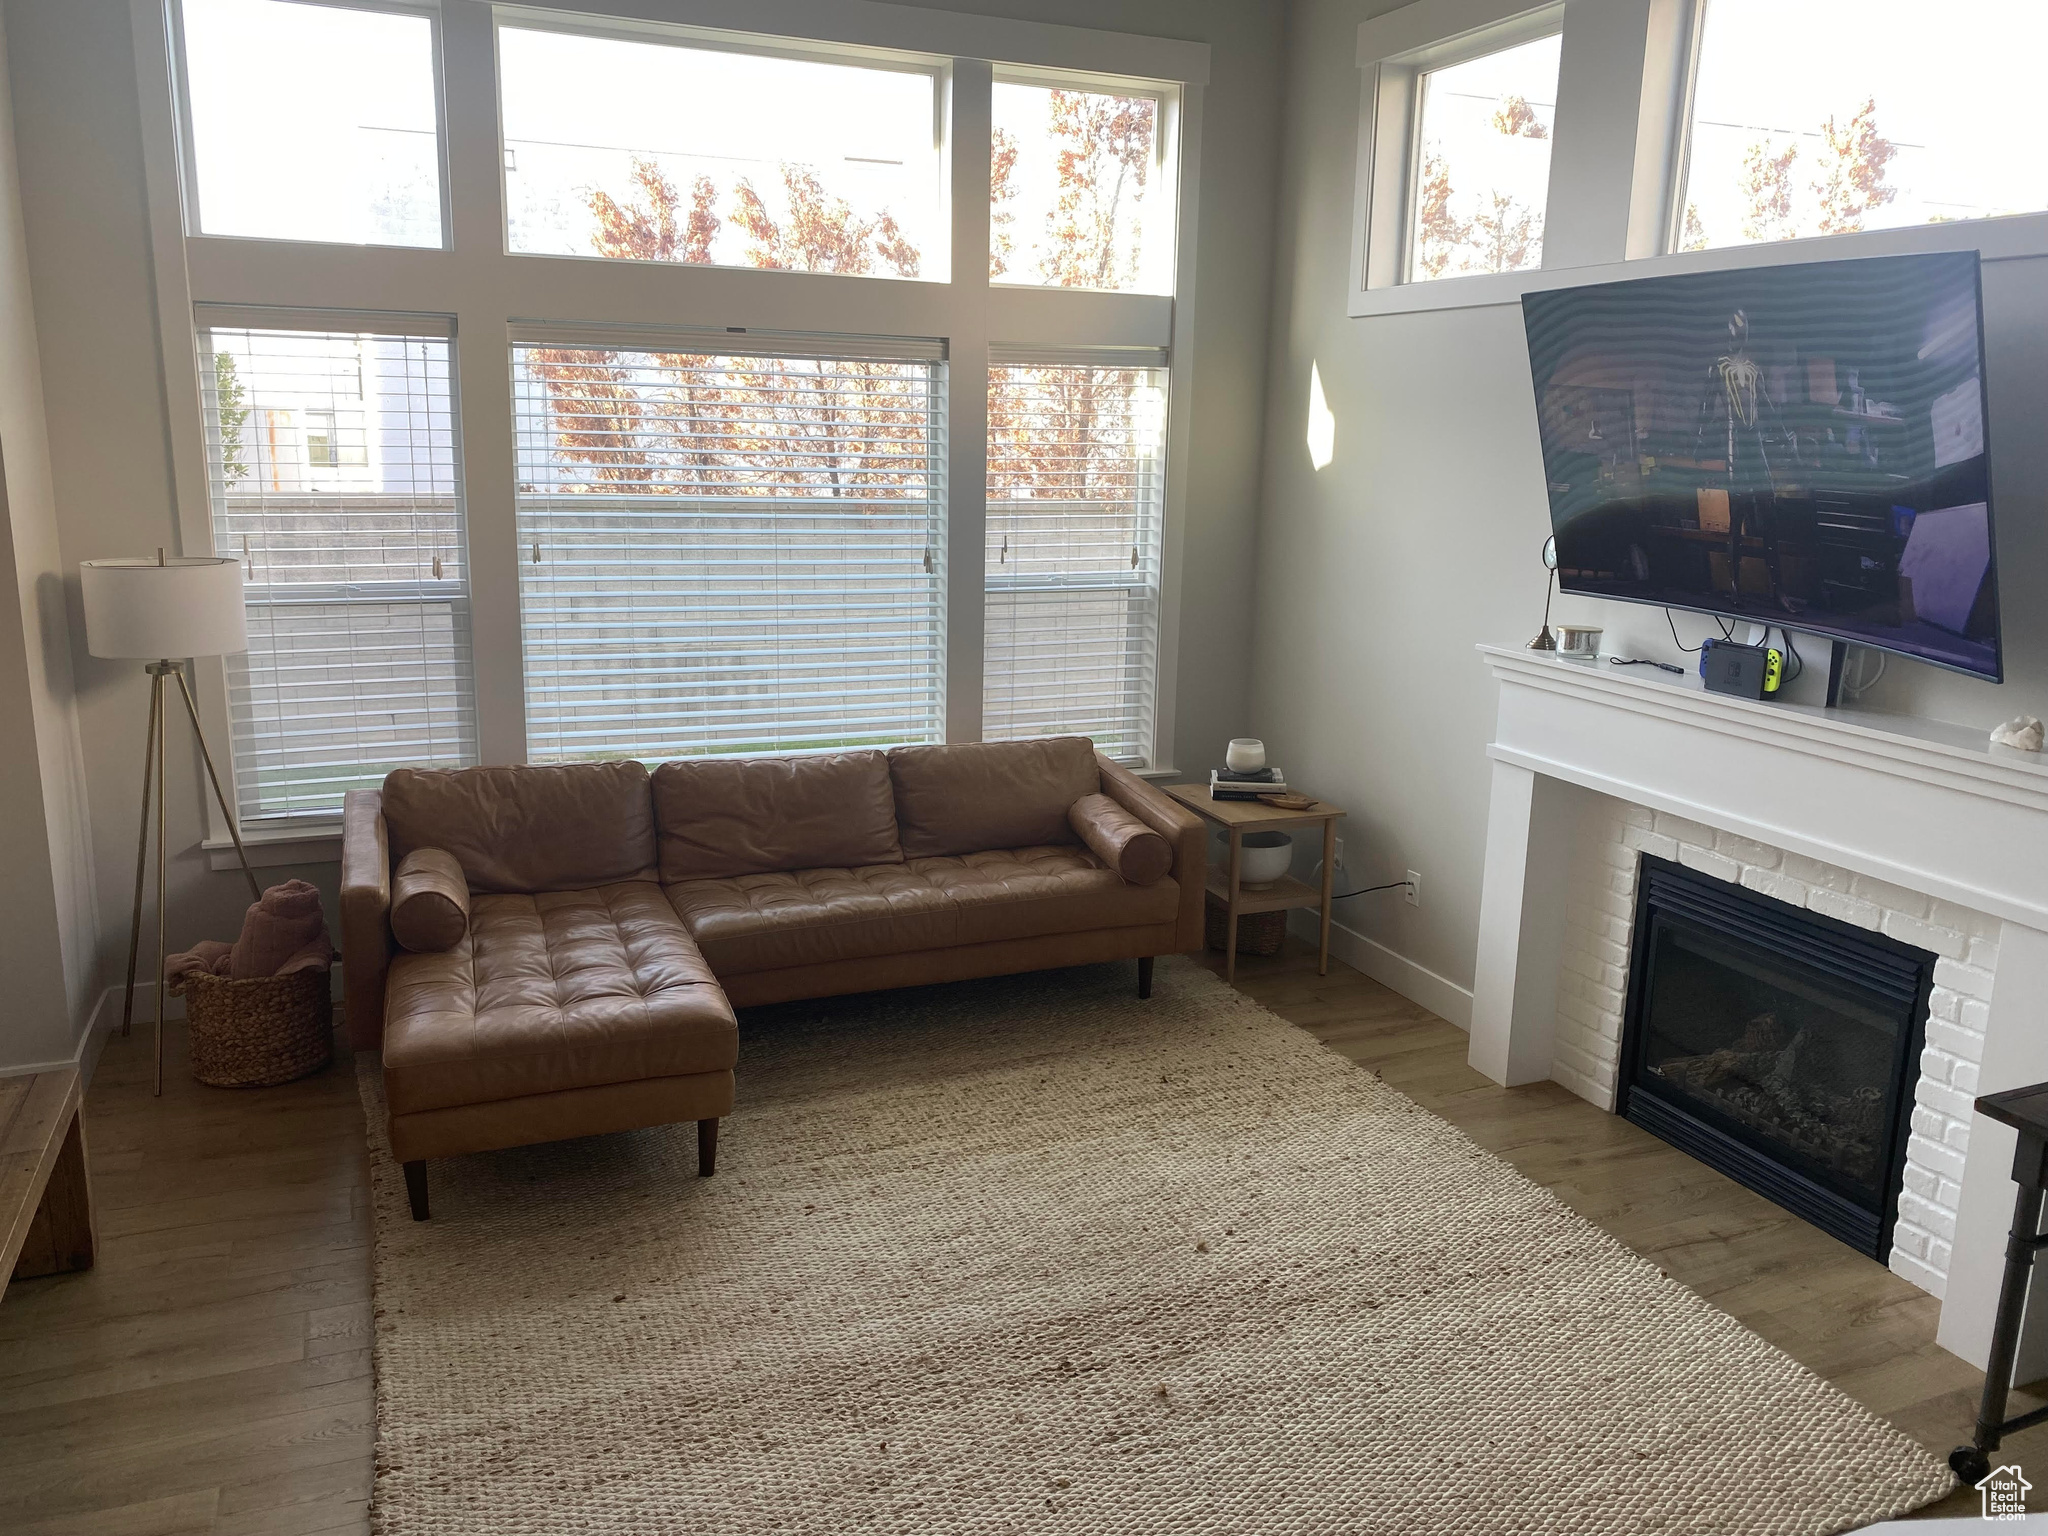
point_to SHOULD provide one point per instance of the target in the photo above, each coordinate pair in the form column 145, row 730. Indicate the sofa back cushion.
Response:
column 523, row 829
column 727, row 816
column 997, row 794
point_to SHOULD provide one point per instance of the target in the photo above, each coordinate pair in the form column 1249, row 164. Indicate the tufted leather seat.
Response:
column 749, row 923
column 554, row 991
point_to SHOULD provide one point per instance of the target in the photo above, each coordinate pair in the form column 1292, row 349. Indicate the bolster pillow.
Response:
column 1120, row 840
column 429, row 902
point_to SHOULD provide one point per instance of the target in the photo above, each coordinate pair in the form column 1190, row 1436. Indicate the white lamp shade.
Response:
column 138, row 610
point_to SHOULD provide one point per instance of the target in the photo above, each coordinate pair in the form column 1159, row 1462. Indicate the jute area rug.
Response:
column 1031, row 1255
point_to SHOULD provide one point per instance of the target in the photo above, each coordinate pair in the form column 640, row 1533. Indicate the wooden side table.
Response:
column 1237, row 817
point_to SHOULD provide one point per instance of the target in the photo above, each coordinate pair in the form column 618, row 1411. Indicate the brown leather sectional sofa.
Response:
column 546, row 952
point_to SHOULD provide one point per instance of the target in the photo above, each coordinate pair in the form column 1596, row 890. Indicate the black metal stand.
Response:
column 2026, row 1111
column 1838, row 660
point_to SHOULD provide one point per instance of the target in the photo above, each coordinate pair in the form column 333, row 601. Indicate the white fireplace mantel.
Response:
column 1918, row 804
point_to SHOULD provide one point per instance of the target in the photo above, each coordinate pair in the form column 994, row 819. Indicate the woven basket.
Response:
column 264, row 1030
column 1258, row 933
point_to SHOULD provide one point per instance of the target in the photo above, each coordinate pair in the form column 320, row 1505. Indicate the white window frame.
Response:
column 1617, row 163
column 188, row 184
column 1384, row 239
column 483, row 289
column 1166, row 146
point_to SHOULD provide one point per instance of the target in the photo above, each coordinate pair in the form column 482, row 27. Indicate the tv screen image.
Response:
column 1796, row 445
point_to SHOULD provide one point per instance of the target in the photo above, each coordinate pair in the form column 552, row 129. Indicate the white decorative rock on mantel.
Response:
column 1917, row 828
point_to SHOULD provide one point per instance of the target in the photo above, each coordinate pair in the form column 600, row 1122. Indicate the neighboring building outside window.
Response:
column 1813, row 120
column 1482, row 163
column 730, row 538
column 354, row 565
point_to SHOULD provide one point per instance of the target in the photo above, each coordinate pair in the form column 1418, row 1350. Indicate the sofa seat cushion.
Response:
column 564, row 989
column 769, row 922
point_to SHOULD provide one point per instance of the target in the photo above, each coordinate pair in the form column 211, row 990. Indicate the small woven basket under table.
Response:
column 1258, row 933
column 259, row 1031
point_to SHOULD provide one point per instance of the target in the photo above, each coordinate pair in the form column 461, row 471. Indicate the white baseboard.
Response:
column 1418, row 983
column 102, row 1021
column 105, row 1018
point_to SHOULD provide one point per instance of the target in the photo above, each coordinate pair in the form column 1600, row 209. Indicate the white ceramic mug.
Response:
column 1247, row 754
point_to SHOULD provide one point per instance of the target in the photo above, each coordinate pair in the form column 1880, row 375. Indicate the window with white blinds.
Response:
column 332, row 465
column 1076, row 472
column 729, row 552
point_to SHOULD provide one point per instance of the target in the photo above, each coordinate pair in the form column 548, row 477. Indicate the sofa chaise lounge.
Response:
column 548, row 952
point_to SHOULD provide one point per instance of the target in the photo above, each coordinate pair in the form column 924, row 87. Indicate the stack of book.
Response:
column 1227, row 784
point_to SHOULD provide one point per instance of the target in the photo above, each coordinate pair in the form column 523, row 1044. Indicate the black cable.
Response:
column 1672, row 625
column 1347, row 895
column 1798, row 661
column 1644, row 661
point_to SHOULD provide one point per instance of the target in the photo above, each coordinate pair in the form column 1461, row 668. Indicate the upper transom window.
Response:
column 660, row 151
column 1482, row 163
column 1803, row 124
column 1081, row 188
column 312, row 122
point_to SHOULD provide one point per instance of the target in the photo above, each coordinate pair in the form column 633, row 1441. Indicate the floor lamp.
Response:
column 164, row 612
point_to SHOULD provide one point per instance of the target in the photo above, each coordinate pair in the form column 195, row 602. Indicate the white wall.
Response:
column 47, row 938
column 1378, row 574
column 73, row 75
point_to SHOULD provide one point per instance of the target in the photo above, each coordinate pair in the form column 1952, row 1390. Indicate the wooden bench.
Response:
column 45, row 1200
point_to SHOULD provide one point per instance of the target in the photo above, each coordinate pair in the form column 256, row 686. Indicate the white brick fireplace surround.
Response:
column 1915, row 828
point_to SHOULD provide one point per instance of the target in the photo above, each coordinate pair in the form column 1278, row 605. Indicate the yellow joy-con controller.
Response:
column 1774, row 669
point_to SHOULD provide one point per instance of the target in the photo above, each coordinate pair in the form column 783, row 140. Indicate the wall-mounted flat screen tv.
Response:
column 1793, row 445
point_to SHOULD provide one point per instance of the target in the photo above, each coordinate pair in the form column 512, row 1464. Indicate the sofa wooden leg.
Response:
column 707, row 1148
column 416, row 1187
column 1144, row 976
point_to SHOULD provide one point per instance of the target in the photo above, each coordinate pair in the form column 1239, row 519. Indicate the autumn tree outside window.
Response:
column 1076, row 475
column 1482, row 176
column 728, row 553
column 1802, row 126
column 637, row 150
column 1081, row 191
column 721, row 513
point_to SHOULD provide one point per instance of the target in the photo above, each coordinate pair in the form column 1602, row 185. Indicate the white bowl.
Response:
column 1264, row 858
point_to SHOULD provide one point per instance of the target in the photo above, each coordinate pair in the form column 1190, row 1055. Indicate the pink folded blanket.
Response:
column 277, row 931
column 209, row 957
column 282, row 933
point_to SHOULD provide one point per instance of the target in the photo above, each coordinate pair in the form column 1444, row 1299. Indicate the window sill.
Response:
column 272, row 847
column 2018, row 237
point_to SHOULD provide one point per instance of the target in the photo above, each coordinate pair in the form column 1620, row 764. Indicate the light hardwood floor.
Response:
column 211, row 1374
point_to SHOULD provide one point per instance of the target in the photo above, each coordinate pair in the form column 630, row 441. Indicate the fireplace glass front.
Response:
column 1775, row 1044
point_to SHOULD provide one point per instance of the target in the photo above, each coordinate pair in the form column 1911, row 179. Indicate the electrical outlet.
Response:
column 1413, row 894
column 1337, row 854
